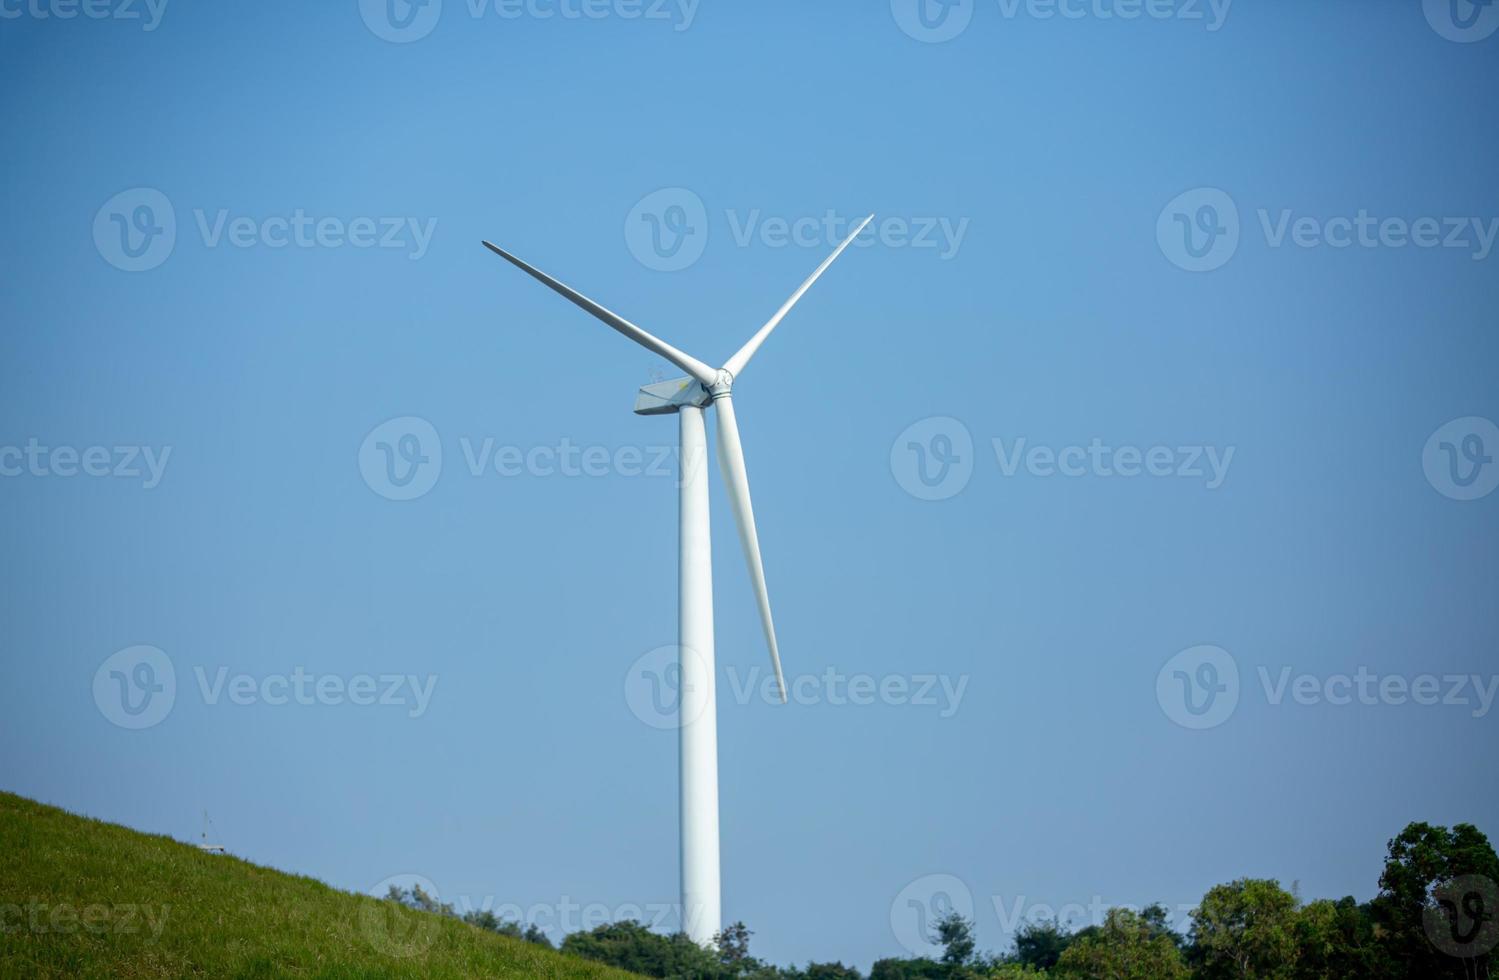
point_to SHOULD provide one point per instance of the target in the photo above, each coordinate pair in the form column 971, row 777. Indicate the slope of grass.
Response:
column 83, row 898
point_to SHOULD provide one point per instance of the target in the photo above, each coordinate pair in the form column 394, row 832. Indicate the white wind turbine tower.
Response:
column 698, row 723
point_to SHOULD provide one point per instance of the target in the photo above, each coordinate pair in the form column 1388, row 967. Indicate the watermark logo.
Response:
column 1463, row 21
column 1199, row 687
column 392, row 928
column 1459, row 458
column 655, row 687
column 1199, row 229
column 400, row 21
column 401, row 459
column 1463, row 918
column 917, row 908
column 136, row 230
column 668, row 229
column 932, row 21
column 136, row 687
column 933, row 459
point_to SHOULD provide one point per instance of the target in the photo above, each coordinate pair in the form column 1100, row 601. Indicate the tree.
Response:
column 1158, row 918
column 920, row 968
column 631, row 946
column 417, row 898
column 1436, row 905
column 1246, row 929
column 1040, row 944
column 822, row 971
column 533, row 934
column 1336, row 939
column 1013, row 971
column 733, row 950
column 955, row 935
column 1125, row 947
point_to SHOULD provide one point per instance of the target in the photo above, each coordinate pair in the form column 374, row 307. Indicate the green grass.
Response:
column 83, row 898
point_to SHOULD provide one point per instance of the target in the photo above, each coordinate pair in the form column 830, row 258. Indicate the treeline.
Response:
column 1436, row 916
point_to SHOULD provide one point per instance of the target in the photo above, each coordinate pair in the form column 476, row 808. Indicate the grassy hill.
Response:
column 83, row 898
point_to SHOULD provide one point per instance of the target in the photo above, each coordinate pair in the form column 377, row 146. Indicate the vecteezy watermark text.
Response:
column 1199, row 688
column 668, row 230
column 136, row 688
column 300, row 687
column 567, row 459
column 136, row 230
column 402, row 459
column 96, row 918
column 147, row 12
column 1207, row 463
column 404, row 21
column 301, row 230
column 933, row 459
column 935, row 21
column 1199, row 230
column 145, row 463
column 916, row 908
column 655, row 686
column 556, row 918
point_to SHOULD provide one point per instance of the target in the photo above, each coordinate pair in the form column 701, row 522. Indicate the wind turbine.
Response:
column 697, row 730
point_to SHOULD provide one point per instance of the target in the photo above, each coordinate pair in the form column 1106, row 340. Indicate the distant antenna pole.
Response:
column 204, row 845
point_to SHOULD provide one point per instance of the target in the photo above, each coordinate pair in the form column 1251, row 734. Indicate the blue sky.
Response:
column 1255, row 233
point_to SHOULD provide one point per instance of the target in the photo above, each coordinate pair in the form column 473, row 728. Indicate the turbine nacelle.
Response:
column 668, row 397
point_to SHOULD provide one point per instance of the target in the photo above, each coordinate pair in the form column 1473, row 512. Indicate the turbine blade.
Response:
column 686, row 362
column 738, row 361
column 731, row 462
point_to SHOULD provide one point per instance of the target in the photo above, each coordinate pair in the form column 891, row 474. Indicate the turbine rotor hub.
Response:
column 723, row 385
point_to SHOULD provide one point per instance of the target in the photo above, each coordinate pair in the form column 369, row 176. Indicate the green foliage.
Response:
column 629, row 945
column 1421, row 860
column 416, row 898
column 733, row 947
column 1336, row 939
column 1126, row 947
column 822, row 971
column 1245, row 929
column 1040, row 944
column 93, row 899
column 1013, row 971
column 912, row 969
column 955, row 936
